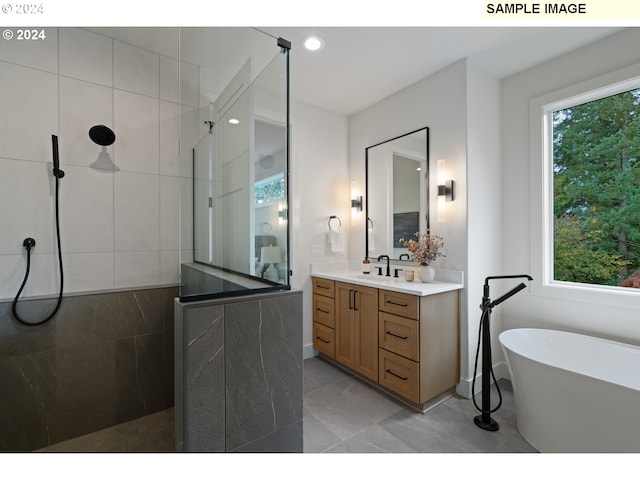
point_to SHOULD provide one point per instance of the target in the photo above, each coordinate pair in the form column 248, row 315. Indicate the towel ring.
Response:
column 334, row 217
column 370, row 221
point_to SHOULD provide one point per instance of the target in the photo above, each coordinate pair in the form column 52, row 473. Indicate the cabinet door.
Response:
column 345, row 324
column 365, row 307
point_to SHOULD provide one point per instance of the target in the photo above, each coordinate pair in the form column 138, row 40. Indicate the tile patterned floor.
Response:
column 342, row 415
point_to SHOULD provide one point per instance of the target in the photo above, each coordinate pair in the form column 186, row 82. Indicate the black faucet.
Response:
column 388, row 270
column 404, row 255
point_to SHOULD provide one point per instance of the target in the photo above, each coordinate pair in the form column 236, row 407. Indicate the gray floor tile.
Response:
column 354, row 412
column 316, row 437
column 343, row 414
column 373, row 439
column 348, row 406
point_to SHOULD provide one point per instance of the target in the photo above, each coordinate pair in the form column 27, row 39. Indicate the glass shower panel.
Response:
column 240, row 194
column 202, row 191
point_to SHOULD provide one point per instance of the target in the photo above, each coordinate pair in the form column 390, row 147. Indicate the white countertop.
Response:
column 446, row 280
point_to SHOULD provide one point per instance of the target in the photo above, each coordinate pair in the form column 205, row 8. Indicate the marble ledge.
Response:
column 445, row 281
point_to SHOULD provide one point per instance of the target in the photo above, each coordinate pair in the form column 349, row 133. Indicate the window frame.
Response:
column 541, row 189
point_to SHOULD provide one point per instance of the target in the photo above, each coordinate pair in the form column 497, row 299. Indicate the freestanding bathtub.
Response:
column 574, row 393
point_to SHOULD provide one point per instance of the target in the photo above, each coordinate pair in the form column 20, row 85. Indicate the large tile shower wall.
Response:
column 105, row 359
column 120, row 230
column 119, row 205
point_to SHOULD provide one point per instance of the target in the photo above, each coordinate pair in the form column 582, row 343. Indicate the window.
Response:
column 596, row 190
column 270, row 190
column 590, row 221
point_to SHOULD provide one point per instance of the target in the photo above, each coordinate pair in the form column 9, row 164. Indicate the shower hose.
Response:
column 483, row 318
column 28, row 244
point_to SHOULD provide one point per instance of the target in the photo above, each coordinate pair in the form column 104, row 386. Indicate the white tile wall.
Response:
column 86, row 210
column 136, row 70
column 169, row 267
column 85, row 272
column 169, row 213
column 189, row 135
column 120, row 228
column 136, row 269
column 26, row 197
column 169, row 131
column 82, row 105
column 41, row 54
column 43, row 277
column 28, row 113
column 86, row 56
column 136, row 121
column 136, row 211
column 186, row 211
column 169, row 89
column 169, row 82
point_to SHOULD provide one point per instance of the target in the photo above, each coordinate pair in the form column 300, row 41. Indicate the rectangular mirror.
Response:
column 396, row 193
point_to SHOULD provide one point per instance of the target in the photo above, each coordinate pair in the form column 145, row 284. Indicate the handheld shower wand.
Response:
column 485, row 421
column 30, row 243
column 56, row 160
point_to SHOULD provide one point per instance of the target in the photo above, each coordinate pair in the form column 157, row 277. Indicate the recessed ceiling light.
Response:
column 234, row 121
column 313, row 43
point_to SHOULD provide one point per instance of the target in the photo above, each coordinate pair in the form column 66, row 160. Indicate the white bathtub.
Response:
column 574, row 393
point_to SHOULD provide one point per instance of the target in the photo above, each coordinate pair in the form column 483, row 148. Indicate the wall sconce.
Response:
column 282, row 214
column 445, row 190
column 356, row 198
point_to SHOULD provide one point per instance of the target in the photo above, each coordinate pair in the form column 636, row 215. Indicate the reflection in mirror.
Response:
column 397, row 193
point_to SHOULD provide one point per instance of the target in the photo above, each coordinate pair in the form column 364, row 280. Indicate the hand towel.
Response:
column 335, row 239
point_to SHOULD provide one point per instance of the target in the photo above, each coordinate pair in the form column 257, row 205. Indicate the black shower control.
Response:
column 29, row 242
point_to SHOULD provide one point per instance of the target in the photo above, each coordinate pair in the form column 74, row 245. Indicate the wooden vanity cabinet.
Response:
column 406, row 344
column 324, row 316
column 419, row 348
column 356, row 328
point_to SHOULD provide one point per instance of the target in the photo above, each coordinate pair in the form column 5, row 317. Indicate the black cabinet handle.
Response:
column 323, row 311
column 323, row 286
column 397, row 336
column 397, row 376
column 323, row 340
column 397, row 304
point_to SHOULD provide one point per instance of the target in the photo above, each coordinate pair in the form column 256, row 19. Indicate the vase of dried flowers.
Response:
column 424, row 250
column 426, row 273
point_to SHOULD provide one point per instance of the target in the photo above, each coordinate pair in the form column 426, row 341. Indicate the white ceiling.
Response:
column 360, row 66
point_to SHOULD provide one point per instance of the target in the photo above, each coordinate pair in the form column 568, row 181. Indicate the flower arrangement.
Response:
column 426, row 249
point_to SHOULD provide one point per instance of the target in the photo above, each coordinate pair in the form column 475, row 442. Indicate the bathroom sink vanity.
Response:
column 401, row 337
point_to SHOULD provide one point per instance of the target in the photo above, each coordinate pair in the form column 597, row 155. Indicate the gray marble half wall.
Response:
column 239, row 373
column 104, row 359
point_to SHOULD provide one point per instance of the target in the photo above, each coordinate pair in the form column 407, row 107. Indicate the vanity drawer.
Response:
column 322, row 286
column 324, row 339
column 398, row 374
column 397, row 303
column 398, row 335
column 324, row 310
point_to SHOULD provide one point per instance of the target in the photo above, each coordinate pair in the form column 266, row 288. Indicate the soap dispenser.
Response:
column 366, row 266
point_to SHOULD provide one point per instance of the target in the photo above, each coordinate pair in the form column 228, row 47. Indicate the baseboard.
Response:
column 464, row 388
column 308, row 351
